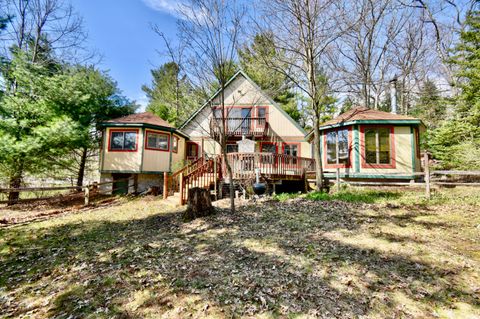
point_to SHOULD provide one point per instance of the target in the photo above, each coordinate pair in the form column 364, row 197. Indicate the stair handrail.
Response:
column 197, row 177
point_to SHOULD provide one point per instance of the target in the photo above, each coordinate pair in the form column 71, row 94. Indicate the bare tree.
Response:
column 305, row 30
column 51, row 23
column 211, row 30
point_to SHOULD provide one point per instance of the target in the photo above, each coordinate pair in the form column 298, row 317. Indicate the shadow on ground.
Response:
column 275, row 259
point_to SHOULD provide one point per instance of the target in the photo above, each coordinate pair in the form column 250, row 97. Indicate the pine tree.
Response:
column 467, row 58
column 257, row 60
column 170, row 96
column 430, row 106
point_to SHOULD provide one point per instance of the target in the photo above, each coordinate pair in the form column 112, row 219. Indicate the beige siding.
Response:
column 403, row 156
column 242, row 93
column 122, row 161
column 153, row 160
column 178, row 158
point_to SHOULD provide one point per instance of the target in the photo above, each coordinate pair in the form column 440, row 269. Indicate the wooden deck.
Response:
column 271, row 166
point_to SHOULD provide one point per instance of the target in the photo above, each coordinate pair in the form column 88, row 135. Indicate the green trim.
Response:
column 145, row 125
column 384, row 122
column 412, row 139
column 395, row 122
column 373, row 176
column 143, row 149
column 272, row 102
column 321, row 148
column 356, row 147
column 102, row 158
column 131, row 172
column 170, row 155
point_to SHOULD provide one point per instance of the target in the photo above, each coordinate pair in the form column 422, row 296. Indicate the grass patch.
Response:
column 364, row 196
column 328, row 256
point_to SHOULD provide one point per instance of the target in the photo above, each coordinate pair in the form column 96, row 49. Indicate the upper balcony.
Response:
column 237, row 127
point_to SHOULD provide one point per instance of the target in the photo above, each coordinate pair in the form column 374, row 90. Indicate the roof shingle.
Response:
column 142, row 118
column 363, row 113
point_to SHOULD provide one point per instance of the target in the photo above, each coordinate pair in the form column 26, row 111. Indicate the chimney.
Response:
column 393, row 94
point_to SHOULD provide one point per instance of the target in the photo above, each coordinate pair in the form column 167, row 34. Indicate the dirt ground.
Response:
column 356, row 254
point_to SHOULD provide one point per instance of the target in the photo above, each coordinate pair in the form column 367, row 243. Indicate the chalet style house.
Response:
column 143, row 151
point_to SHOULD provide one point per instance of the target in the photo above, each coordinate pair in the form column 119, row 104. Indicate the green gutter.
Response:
column 388, row 122
column 156, row 127
column 356, row 148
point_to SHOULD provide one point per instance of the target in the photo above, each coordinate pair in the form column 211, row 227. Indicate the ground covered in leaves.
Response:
column 357, row 254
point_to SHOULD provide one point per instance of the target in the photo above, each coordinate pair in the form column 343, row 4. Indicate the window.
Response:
column 123, row 141
column 292, row 150
column 268, row 148
column 337, row 147
column 378, row 147
column 175, row 144
column 157, row 141
column 262, row 112
column 232, row 148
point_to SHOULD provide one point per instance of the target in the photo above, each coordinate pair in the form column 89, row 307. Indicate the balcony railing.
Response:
column 248, row 126
column 275, row 166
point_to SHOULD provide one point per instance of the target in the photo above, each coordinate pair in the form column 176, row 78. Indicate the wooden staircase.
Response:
column 203, row 173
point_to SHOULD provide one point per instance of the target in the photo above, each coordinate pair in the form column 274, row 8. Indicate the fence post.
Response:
column 181, row 189
column 427, row 175
column 338, row 179
column 165, row 185
column 87, row 195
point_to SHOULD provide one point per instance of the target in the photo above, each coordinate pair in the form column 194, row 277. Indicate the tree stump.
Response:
column 199, row 204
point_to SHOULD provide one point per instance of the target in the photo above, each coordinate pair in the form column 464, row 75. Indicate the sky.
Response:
column 120, row 31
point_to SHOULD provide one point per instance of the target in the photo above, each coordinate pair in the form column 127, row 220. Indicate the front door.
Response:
column 192, row 151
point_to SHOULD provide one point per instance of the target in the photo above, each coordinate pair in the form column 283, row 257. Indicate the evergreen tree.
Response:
column 467, row 58
column 170, row 95
column 256, row 60
column 32, row 130
column 89, row 97
column 457, row 142
column 430, row 106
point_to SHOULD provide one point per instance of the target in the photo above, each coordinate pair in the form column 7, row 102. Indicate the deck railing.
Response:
column 248, row 126
column 275, row 166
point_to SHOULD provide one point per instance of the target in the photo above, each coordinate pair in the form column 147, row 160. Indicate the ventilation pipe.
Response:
column 393, row 95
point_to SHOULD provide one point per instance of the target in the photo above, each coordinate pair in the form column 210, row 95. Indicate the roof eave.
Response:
column 348, row 123
column 146, row 125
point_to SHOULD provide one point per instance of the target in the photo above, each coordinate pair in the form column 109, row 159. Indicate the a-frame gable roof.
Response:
column 270, row 100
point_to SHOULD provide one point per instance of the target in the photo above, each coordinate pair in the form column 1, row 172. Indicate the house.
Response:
column 363, row 144
column 367, row 144
column 141, row 147
column 250, row 114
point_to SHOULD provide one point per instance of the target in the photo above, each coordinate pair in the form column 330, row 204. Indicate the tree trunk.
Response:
column 15, row 182
column 317, row 156
column 199, row 204
column 81, row 170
